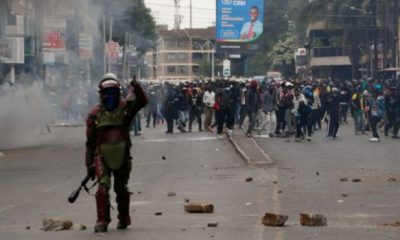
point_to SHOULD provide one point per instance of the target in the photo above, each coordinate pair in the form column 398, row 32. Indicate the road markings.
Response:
column 173, row 140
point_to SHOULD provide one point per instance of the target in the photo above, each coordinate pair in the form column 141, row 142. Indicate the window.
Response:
column 182, row 56
column 182, row 70
column 171, row 56
column 171, row 69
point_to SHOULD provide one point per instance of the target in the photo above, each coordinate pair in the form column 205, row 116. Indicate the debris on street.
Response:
column 163, row 158
column 186, row 200
column 345, row 179
column 28, row 227
column 199, row 208
column 171, row 194
column 396, row 224
column 356, row 180
column 313, row 220
column 391, row 179
column 50, row 224
column 158, row 213
column 249, row 179
column 82, row 227
column 274, row 220
column 212, row 224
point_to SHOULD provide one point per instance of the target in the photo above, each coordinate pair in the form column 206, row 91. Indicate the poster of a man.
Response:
column 254, row 27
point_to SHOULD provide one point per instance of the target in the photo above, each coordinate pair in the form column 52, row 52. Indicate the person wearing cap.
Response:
column 108, row 147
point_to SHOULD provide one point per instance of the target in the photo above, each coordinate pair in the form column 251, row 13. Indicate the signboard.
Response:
column 112, row 49
column 85, row 46
column 12, row 50
column 53, row 41
column 240, row 25
column 226, row 68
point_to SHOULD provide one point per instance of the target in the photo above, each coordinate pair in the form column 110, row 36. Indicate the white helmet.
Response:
column 109, row 76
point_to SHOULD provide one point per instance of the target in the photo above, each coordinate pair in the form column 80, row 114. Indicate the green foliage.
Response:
column 257, row 65
column 139, row 23
column 281, row 57
column 205, row 67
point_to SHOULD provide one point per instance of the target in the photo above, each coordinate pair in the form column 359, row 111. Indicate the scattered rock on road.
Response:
column 199, row 208
column 186, row 200
column 344, row 195
column 274, row 220
column 396, row 224
column 82, row 227
column 345, row 179
column 50, row 224
column 212, row 224
column 391, row 179
column 312, row 220
column 249, row 179
column 356, row 180
column 171, row 194
column 158, row 213
column 163, row 158
column 28, row 227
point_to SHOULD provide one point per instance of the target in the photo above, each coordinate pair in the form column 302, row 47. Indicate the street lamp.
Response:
column 202, row 46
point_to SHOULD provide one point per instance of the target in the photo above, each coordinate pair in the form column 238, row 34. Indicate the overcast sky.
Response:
column 164, row 11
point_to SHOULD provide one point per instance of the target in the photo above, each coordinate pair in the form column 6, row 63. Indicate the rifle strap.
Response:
column 87, row 189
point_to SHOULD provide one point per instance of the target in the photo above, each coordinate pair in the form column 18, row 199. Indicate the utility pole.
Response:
column 191, row 14
column 178, row 17
column 376, row 30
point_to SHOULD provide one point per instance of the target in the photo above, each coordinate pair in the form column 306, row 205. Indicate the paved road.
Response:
column 309, row 178
column 36, row 181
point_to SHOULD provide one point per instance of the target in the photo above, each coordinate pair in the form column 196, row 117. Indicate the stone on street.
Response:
column 274, row 220
column 39, row 179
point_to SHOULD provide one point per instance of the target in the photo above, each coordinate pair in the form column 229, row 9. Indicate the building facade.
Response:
column 184, row 55
column 328, row 54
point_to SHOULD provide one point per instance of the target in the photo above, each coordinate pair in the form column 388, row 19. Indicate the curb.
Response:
column 268, row 160
column 239, row 150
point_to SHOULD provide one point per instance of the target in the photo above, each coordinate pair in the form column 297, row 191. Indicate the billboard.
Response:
column 240, row 25
column 53, row 42
column 12, row 50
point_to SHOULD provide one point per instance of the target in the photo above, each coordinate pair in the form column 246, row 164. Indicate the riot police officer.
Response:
column 108, row 147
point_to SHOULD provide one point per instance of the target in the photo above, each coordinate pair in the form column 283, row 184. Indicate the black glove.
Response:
column 91, row 172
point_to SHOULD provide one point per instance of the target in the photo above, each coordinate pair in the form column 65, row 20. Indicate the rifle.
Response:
column 75, row 194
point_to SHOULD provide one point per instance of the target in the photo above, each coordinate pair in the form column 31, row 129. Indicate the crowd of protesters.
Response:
column 274, row 108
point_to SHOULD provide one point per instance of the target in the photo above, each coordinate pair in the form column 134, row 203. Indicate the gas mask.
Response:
column 110, row 98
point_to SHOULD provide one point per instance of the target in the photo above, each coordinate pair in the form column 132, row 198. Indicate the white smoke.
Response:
column 25, row 116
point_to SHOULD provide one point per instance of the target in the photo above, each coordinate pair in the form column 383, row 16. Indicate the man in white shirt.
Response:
column 209, row 101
